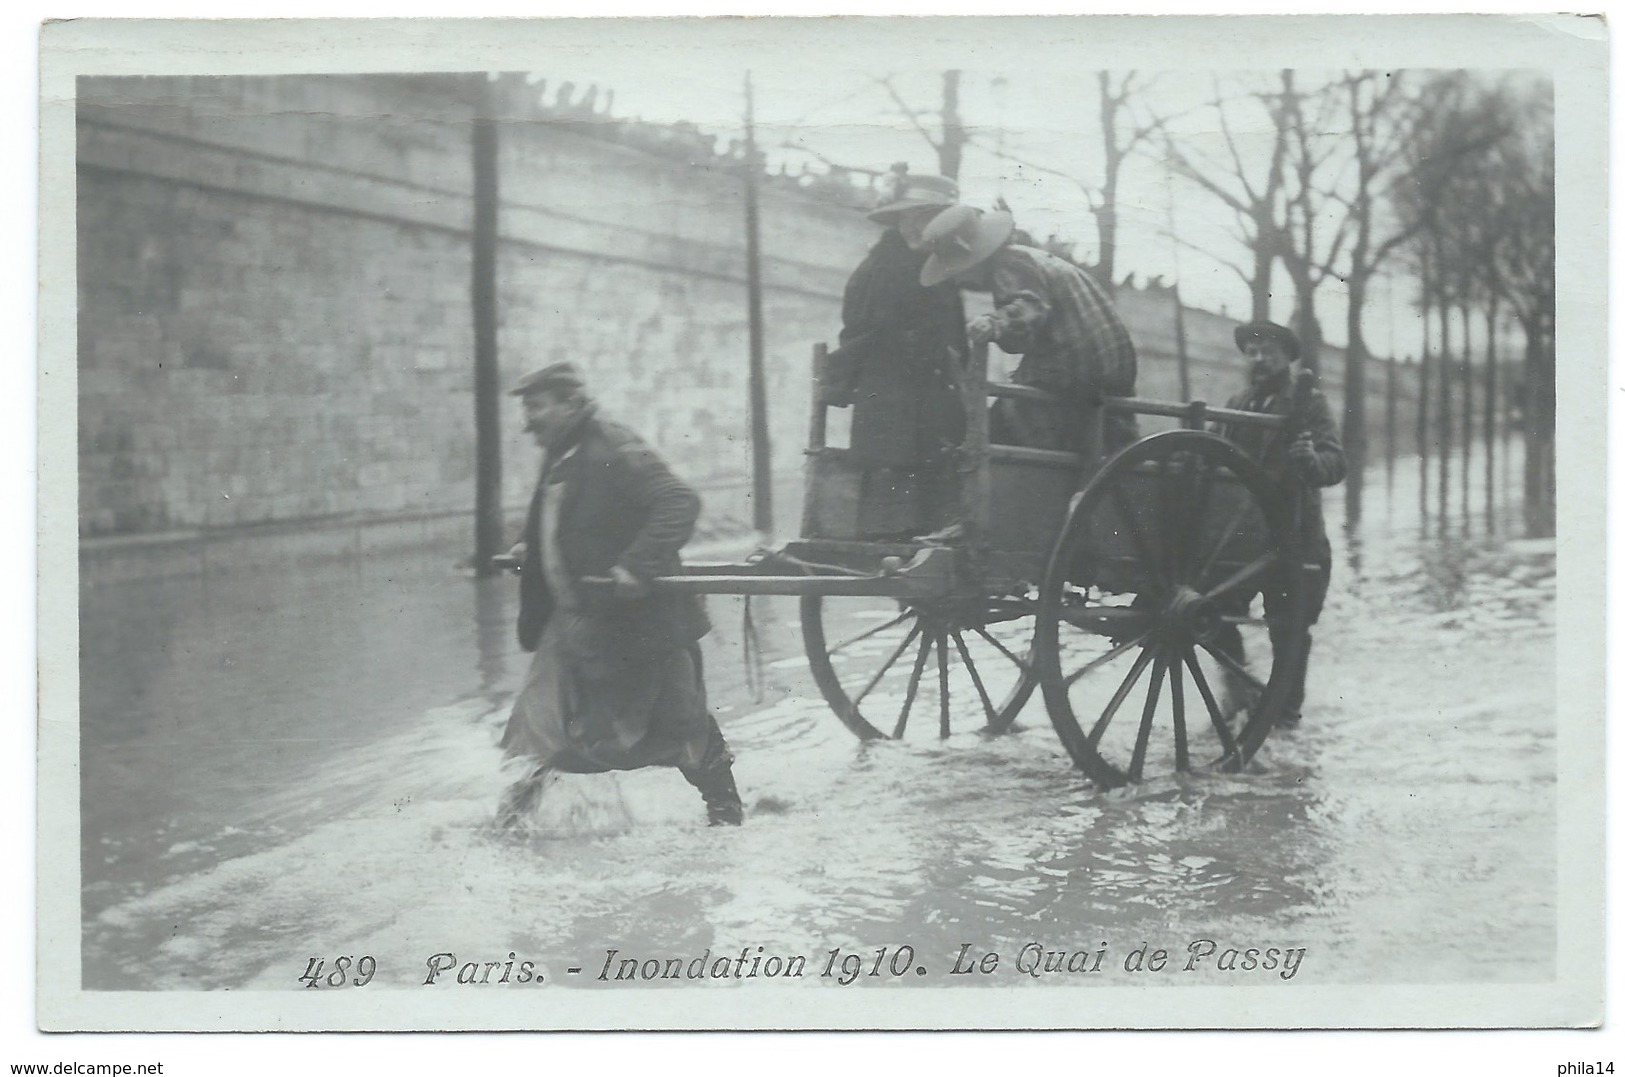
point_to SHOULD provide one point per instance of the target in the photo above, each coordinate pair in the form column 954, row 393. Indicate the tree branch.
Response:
column 909, row 113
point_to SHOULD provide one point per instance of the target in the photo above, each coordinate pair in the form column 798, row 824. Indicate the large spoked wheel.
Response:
column 887, row 667
column 1149, row 645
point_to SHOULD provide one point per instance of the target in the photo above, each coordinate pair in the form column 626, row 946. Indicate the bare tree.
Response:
column 1122, row 131
column 1308, row 255
column 1408, row 147
column 1126, row 127
column 1524, row 276
column 1467, row 239
column 1492, row 363
column 1424, row 377
column 1491, row 226
column 948, row 142
column 1254, row 195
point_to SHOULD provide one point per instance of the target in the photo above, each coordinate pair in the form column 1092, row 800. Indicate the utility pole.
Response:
column 1181, row 347
column 953, row 128
column 483, row 303
column 761, row 448
column 999, row 85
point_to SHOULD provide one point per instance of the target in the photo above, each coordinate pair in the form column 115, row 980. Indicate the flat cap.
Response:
column 1284, row 337
column 555, row 376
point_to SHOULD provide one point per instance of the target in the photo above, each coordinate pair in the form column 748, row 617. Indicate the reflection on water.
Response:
column 286, row 761
column 201, row 698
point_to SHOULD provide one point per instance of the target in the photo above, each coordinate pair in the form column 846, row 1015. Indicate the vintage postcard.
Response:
column 860, row 523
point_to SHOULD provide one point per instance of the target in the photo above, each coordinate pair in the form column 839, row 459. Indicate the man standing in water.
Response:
column 617, row 682
column 1307, row 452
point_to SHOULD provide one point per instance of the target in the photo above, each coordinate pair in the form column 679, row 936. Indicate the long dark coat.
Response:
column 898, row 358
column 621, row 506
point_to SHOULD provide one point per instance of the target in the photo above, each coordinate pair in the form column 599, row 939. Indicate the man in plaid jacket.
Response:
column 1055, row 316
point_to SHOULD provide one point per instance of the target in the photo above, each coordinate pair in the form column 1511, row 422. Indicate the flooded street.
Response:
column 298, row 764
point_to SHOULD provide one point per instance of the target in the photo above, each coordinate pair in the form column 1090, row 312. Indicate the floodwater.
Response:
column 286, row 765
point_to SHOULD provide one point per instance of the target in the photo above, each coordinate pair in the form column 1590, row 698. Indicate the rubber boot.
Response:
column 1292, row 713
column 721, row 796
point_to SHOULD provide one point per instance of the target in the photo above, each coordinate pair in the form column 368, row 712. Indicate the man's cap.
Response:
column 900, row 191
column 961, row 237
column 549, row 378
column 1284, row 337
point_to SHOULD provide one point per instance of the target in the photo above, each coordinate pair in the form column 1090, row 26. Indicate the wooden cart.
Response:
column 1117, row 587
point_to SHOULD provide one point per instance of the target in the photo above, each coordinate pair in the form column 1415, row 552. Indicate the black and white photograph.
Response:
column 1028, row 523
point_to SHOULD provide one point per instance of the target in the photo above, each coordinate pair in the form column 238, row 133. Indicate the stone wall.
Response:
column 274, row 298
column 274, row 306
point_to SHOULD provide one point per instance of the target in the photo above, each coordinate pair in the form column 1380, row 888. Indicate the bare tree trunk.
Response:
column 1354, row 432
column 1423, row 378
column 1491, row 362
column 1540, row 419
column 1106, row 212
column 1306, row 323
column 1390, row 429
column 1447, row 425
column 1263, row 270
column 1511, row 416
column 1466, row 417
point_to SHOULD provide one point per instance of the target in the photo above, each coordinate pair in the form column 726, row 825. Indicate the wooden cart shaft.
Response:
column 841, row 570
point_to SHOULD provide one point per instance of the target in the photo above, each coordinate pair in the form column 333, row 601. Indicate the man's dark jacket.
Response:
column 1311, row 414
column 621, row 506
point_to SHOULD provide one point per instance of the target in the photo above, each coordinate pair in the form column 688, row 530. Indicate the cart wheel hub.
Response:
column 1190, row 615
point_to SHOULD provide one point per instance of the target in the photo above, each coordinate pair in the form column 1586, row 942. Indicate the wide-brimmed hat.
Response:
column 961, row 237
column 1284, row 337
column 900, row 191
column 558, row 376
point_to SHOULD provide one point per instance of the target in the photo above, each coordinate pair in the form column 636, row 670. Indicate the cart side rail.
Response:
column 1195, row 414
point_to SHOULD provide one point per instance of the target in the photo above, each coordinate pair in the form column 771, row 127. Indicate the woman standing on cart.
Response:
column 898, row 362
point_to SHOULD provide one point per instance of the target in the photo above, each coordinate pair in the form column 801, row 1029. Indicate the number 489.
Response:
column 364, row 969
